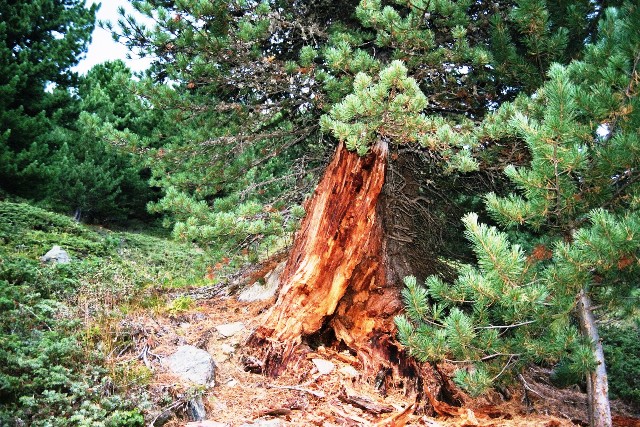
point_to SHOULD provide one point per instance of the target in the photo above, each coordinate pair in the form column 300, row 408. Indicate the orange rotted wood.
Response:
column 339, row 241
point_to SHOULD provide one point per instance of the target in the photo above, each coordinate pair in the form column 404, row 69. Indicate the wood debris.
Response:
column 344, row 396
column 364, row 402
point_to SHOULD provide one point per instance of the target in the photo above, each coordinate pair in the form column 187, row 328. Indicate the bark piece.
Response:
column 442, row 408
column 621, row 421
column 348, row 417
column 398, row 420
column 365, row 403
column 277, row 412
column 252, row 364
column 266, row 291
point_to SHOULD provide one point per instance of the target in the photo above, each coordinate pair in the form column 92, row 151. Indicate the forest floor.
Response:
column 128, row 301
column 305, row 396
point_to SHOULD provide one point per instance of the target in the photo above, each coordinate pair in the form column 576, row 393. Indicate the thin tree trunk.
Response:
column 597, row 383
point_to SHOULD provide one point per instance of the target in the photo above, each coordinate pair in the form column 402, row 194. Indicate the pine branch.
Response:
column 515, row 325
column 504, row 368
column 485, row 358
column 304, row 133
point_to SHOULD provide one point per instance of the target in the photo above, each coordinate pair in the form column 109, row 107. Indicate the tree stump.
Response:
column 335, row 274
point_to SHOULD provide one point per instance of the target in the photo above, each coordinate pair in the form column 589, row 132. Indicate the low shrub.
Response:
column 53, row 367
column 621, row 349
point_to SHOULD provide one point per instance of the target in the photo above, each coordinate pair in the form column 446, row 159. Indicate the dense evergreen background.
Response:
column 525, row 112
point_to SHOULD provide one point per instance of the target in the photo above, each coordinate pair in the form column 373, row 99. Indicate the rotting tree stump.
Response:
column 335, row 276
column 343, row 275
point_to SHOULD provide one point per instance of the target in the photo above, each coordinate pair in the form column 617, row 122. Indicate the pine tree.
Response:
column 97, row 173
column 575, row 218
column 406, row 81
column 40, row 40
column 238, row 141
column 412, row 79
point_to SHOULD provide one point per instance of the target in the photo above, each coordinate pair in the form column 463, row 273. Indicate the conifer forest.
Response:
column 351, row 213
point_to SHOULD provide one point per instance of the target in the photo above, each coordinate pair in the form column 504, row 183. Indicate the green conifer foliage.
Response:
column 238, row 142
column 247, row 82
column 40, row 41
column 392, row 109
column 92, row 170
column 462, row 59
column 468, row 55
column 574, row 215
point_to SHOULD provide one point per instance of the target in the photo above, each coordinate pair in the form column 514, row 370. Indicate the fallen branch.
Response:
column 365, row 403
column 361, row 421
column 277, row 412
column 398, row 420
column 143, row 356
column 316, row 393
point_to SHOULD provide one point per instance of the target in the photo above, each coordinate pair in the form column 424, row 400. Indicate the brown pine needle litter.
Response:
column 302, row 396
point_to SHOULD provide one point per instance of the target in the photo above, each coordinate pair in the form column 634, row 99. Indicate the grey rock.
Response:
column 260, row 292
column 230, row 329
column 163, row 418
column 195, row 409
column 192, row 364
column 56, row 255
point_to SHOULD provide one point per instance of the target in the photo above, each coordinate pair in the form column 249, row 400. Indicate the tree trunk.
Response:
column 371, row 221
column 335, row 275
column 597, row 384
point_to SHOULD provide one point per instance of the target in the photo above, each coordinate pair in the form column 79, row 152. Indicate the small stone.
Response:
column 230, row 329
column 192, row 364
column 56, row 255
column 227, row 349
column 349, row 371
column 196, row 410
column 324, row 366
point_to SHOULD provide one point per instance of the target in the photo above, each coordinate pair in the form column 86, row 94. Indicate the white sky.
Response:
column 102, row 47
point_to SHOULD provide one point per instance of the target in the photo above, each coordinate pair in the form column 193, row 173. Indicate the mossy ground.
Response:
column 57, row 321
